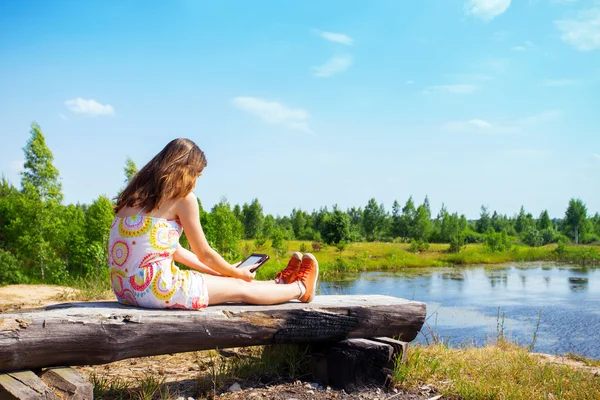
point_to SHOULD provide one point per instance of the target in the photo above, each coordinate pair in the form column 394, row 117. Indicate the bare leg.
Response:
column 224, row 289
column 269, row 282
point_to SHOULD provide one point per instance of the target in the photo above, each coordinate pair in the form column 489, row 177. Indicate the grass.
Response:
column 378, row 256
column 90, row 288
column 500, row 371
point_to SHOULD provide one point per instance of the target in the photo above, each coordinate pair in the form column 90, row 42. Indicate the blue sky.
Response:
column 309, row 103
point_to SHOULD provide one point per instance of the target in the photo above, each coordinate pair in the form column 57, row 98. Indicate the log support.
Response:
column 354, row 363
column 50, row 384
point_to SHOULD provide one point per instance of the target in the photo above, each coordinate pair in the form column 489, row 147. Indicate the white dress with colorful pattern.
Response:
column 142, row 270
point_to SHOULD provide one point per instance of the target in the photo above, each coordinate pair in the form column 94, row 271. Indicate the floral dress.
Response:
column 142, row 270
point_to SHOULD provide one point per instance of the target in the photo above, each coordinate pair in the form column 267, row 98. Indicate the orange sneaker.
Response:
column 308, row 274
column 288, row 275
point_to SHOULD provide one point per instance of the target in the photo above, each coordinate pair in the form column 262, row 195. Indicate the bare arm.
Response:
column 188, row 258
column 189, row 215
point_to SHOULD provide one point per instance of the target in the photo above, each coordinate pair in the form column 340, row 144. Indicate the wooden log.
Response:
column 400, row 347
column 353, row 363
column 68, row 383
column 102, row 332
column 24, row 385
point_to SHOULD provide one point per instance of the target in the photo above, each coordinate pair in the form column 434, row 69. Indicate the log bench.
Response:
column 89, row 333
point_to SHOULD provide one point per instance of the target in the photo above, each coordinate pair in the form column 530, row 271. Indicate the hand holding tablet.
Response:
column 254, row 258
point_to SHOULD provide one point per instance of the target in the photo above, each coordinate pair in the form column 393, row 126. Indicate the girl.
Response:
column 152, row 212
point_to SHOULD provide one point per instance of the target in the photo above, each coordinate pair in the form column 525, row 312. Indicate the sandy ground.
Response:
column 16, row 297
column 181, row 372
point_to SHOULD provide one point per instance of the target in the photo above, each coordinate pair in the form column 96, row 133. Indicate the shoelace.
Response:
column 303, row 271
column 287, row 272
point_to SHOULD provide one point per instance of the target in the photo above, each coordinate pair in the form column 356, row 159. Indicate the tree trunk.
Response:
column 96, row 333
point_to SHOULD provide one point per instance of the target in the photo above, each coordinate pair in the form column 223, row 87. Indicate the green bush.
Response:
column 473, row 237
column 10, row 272
column 549, row 235
column 589, row 238
column 532, row 237
column 417, row 246
column 456, row 244
column 497, row 241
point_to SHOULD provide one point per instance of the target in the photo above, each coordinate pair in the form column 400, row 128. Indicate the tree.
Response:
column 422, row 227
column 356, row 226
column 336, row 227
column 396, row 224
column 130, row 170
column 373, row 219
column 484, row 222
column 544, row 221
column 40, row 178
column 407, row 221
column 299, row 220
column 40, row 207
column 426, row 206
column 8, row 214
column 575, row 218
column 253, row 218
column 226, row 230
column 268, row 226
column 98, row 217
column 523, row 221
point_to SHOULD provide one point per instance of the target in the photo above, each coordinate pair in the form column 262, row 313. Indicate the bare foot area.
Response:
column 16, row 297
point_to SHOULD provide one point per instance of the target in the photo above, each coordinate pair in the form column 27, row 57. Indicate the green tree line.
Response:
column 43, row 240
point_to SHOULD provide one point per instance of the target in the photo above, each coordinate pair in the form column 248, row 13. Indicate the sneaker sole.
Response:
column 314, row 292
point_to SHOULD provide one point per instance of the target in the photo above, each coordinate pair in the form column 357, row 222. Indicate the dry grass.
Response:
column 502, row 371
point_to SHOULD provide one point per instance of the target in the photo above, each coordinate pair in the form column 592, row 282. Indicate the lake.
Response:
column 462, row 303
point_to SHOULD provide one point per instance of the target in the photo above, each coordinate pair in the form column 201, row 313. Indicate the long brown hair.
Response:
column 171, row 174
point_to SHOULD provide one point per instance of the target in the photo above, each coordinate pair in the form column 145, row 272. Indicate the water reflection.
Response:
column 577, row 284
column 497, row 277
column 465, row 302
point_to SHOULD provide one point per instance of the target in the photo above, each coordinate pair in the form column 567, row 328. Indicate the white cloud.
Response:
column 558, row 82
column 582, row 32
column 337, row 37
column 596, row 156
column 274, row 113
column 518, row 48
column 459, row 89
column 486, row 9
column 479, row 123
column 89, row 107
column 502, row 126
column 523, row 47
column 63, row 117
column 409, row 82
column 335, row 65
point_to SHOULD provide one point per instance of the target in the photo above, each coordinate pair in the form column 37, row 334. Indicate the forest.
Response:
column 44, row 240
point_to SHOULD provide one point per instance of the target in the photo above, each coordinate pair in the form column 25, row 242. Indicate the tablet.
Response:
column 254, row 258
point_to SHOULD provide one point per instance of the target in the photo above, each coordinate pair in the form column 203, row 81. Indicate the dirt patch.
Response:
column 559, row 360
column 16, row 297
column 188, row 375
